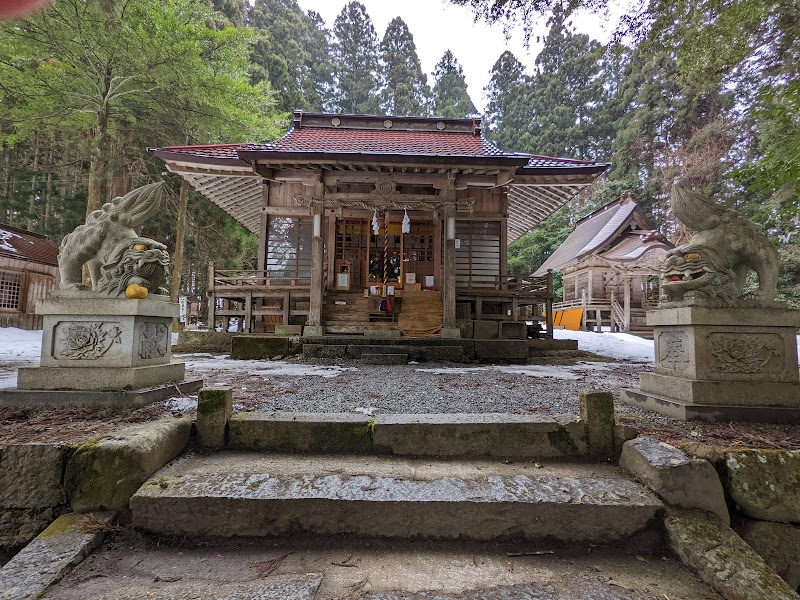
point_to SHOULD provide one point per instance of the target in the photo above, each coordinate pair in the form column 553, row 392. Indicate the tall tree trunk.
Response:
column 48, row 189
column 32, row 201
column 5, row 197
column 97, row 164
column 180, row 232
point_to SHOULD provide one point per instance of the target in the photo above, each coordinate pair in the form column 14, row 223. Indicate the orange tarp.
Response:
column 568, row 319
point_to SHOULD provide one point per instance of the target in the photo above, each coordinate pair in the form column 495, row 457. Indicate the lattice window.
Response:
column 477, row 253
column 289, row 247
column 10, row 290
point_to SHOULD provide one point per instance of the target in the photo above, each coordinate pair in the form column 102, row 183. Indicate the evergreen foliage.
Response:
column 405, row 86
column 507, row 111
column 292, row 54
column 705, row 93
column 356, row 62
column 450, row 96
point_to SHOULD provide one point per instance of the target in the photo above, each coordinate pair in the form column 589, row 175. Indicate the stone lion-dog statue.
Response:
column 713, row 266
column 120, row 262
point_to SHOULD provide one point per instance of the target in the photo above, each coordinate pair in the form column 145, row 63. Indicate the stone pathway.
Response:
column 323, row 569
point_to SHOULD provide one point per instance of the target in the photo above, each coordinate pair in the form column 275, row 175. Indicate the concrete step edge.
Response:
column 237, row 495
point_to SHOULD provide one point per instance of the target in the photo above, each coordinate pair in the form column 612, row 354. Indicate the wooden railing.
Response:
column 618, row 314
column 228, row 279
column 529, row 299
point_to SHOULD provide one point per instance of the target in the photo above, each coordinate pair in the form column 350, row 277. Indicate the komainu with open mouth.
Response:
column 119, row 260
column 713, row 266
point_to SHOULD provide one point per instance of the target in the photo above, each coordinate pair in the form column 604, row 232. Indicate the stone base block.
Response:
column 513, row 330
column 739, row 393
column 450, row 333
column 313, row 331
column 687, row 411
column 485, row 330
column 98, row 378
column 382, row 333
column 288, row 330
column 258, row 347
column 16, row 398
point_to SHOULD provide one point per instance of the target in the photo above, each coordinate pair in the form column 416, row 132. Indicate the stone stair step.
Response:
column 484, row 435
column 384, row 358
column 247, row 494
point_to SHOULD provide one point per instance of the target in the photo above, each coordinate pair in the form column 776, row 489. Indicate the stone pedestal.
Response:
column 722, row 364
column 93, row 346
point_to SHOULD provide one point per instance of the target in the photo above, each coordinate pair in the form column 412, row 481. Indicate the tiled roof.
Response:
column 372, row 141
column 550, row 162
column 633, row 247
column 26, row 245
column 597, row 230
column 221, row 151
column 377, row 141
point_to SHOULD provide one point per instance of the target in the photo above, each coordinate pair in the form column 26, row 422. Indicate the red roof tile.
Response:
column 371, row 141
column 552, row 161
column 26, row 245
column 222, row 151
column 322, row 140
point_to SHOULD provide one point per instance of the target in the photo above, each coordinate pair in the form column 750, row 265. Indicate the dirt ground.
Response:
column 257, row 392
column 131, row 565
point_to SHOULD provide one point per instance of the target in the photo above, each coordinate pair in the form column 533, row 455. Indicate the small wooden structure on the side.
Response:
column 368, row 222
column 28, row 272
column 610, row 264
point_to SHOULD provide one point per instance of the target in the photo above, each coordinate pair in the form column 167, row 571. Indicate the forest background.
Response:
column 702, row 92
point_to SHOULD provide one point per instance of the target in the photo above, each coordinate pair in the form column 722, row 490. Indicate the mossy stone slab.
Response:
column 104, row 472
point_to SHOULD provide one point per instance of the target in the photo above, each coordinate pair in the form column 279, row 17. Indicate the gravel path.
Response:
column 296, row 385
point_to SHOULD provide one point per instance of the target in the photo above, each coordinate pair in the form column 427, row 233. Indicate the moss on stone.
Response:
column 101, row 479
column 722, row 558
column 341, row 437
column 253, row 347
column 212, row 400
column 765, row 484
column 561, row 440
column 61, row 525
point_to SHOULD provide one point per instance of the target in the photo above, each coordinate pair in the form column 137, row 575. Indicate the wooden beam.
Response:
column 433, row 179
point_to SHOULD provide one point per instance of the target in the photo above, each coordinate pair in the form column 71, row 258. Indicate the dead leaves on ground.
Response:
column 267, row 567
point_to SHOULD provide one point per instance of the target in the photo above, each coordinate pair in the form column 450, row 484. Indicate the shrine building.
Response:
column 381, row 224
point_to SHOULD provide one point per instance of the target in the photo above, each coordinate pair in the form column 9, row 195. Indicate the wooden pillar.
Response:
column 549, row 304
column 247, row 320
column 330, row 282
column 627, row 302
column 262, row 232
column 583, row 310
column 449, row 265
column 212, row 299
column 317, row 260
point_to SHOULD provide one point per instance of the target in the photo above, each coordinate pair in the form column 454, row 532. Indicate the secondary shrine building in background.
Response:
column 387, row 223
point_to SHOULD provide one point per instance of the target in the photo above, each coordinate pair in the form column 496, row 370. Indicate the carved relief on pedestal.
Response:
column 746, row 353
column 673, row 350
column 84, row 340
column 153, row 340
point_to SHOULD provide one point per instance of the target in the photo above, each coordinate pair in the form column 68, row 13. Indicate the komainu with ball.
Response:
column 712, row 268
column 119, row 261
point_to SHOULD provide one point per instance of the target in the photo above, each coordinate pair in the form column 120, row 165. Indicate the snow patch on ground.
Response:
column 17, row 345
column 8, row 379
column 554, row 371
column 183, row 404
column 264, row 368
column 621, row 346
